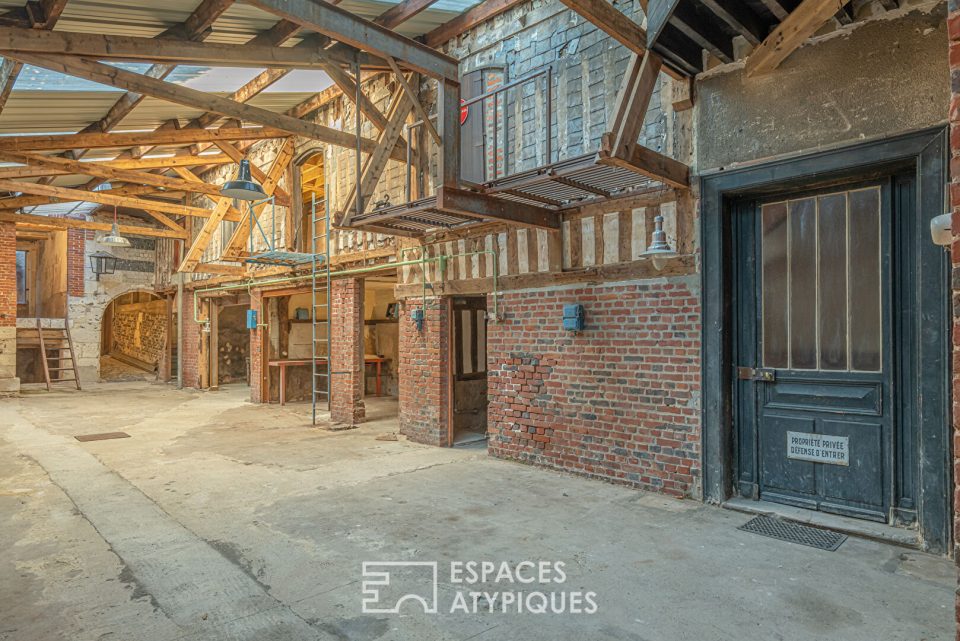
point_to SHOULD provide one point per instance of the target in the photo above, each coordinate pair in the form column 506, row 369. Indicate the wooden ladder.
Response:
column 63, row 343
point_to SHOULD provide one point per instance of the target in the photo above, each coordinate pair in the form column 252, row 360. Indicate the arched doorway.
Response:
column 133, row 337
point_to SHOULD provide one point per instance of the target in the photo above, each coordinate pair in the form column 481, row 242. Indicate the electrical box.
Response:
column 417, row 316
column 251, row 319
column 573, row 318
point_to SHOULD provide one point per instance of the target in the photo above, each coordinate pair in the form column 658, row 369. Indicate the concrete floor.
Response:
column 218, row 519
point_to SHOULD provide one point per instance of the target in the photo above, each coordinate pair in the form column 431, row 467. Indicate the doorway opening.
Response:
column 230, row 345
column 381, row 347
column 133, row 337
column 469, row 365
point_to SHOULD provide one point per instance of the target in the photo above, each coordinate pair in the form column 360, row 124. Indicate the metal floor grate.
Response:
column 794, row 533
column 104, row 436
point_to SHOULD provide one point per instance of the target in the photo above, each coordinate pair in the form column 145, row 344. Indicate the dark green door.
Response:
column 815, row 360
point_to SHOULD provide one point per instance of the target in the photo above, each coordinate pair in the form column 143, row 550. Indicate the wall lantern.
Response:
column 941, row 229
column 659, row 249
column 102, row 262
column 243, row 187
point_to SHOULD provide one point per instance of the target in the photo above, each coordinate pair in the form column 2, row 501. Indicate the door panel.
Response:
column 820, row 325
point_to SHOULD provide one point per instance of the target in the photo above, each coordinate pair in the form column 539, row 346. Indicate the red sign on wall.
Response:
column 464, row 110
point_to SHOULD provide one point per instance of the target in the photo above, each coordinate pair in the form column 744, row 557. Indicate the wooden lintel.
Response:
column 483, row 207
column 647, row 162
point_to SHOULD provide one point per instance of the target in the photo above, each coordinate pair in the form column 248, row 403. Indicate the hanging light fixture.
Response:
column 114, row 239
column 243, row 187
column 659, row 249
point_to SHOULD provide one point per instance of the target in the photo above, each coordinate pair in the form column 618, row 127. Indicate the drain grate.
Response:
column 101, row 437
column 794, row 533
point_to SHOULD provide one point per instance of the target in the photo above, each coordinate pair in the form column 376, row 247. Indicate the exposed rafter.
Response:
column 53, row 142
column 166, row 162
column 802, row 23
column 467, row 20
column 349, row 29
column 46, row 222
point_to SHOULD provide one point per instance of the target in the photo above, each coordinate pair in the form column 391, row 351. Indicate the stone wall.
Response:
column 140, row 331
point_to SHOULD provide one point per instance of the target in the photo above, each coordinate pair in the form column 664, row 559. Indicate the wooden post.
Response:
column 448, row 126
column 214, row 346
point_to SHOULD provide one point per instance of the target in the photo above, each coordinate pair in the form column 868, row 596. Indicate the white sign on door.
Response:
column 818, row 448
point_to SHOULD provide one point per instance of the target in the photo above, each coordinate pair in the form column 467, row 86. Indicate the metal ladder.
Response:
column 320, row 247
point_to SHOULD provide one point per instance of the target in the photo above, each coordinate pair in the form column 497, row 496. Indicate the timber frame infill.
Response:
column 923, row 152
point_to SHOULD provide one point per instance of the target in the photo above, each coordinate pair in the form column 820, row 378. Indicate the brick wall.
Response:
column 346, row 352
column 953, row 32
column 424, row 373
column 256, row 351
column 8, row 275
column 190, row 342
column 619, row 402
column 76, row 260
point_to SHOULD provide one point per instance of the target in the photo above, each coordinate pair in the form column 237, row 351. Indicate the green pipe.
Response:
column 442, row 260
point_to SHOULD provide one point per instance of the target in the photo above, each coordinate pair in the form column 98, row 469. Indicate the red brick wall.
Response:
column 8, row 275
column 256, row 353
column 424, row 373
column 190, row 343
column 346, row 351
column 953, row 32
column 76, row 246
column 618, row 402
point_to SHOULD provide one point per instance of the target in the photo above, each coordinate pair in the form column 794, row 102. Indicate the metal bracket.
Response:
column 756, row 374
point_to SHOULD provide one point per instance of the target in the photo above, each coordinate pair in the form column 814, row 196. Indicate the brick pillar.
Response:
column 190, row 342
column 9, row 383
column 425, row 373
column 76, row 261
column 346, row 352
column 256, row 354
column 953, row 34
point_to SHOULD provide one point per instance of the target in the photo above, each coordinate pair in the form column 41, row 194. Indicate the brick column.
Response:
column 9, row 383
column 953, row 34
column 256, row 354
column 76, row 261
column 190, row 342
column 425, row 373
column 346, row 352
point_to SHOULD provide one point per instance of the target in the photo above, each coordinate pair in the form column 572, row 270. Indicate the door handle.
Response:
column 756, row 374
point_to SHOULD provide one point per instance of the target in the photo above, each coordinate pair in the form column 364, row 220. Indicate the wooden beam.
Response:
column 647, row 162
column 635, row 92
column 401, row 12
column 615, row 24
column 376, row 162
column 109, row 173
column 130, row 81
column 415, row 99
column 168, row 162
column 104, row 198
column 482, row 207
column 738, row 17
column 9, row 72
column 348, row 85
column 54, row 142
column 20, row 202
column 480, row 12
column 802, row 23
column 241, row 233
column 345, row 27
column 163, row 50
column 47, row 222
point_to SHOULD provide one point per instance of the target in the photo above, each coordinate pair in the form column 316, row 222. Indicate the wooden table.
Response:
column 283, row 364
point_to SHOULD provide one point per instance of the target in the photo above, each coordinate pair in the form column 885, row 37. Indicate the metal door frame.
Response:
column 923, row 153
